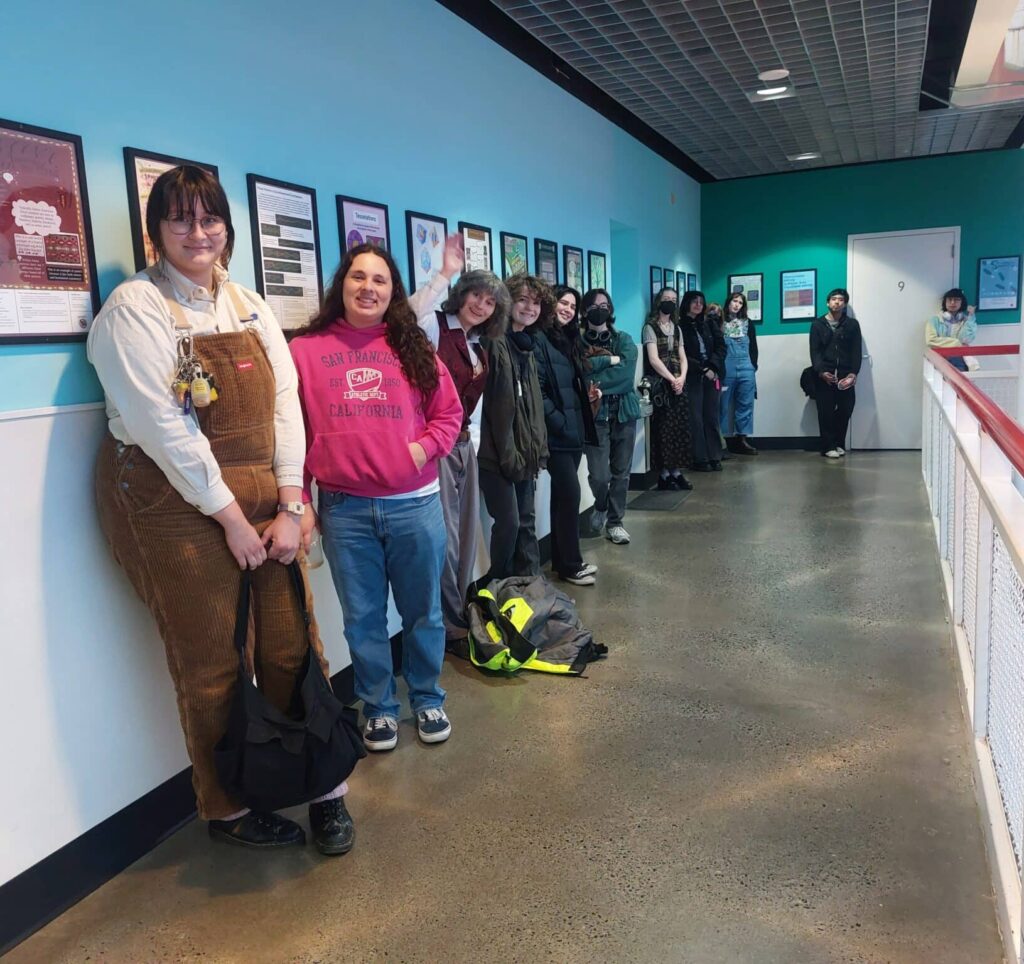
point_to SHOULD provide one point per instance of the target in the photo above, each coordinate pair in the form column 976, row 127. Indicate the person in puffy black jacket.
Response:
column 705, row 357
column 570, row 424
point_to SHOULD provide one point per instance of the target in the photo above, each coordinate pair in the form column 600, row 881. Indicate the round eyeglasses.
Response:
column 182, row 226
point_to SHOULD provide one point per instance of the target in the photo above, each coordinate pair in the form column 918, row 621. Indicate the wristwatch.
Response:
column 295, row 508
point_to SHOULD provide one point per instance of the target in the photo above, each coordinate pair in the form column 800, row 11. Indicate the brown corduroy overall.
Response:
column 179, row 563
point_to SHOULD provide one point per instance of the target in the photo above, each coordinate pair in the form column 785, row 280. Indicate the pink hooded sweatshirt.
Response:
column 361, row 414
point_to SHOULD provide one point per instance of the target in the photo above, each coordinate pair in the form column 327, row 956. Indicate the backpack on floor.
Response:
column 524, row 622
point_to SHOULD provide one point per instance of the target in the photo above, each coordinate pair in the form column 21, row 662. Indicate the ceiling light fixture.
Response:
column 771, row 76
column 771, row 91
column 775, row 92
column 806, row 156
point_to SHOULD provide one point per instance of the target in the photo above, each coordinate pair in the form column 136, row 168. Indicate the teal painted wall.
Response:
column 786, row 221
column 397, row 101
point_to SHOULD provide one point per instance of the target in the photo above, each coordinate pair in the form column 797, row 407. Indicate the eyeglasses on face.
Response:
column 182, row 226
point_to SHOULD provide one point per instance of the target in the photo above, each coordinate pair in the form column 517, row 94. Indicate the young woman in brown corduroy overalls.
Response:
column 190, row 493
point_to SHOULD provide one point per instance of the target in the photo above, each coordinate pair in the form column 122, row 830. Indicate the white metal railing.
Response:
column 972, row 459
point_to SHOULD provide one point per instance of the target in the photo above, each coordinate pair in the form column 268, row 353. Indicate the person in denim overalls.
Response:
column 739, row 387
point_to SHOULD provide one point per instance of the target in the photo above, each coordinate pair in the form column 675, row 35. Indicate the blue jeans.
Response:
column 371, row 543
column 738, row 387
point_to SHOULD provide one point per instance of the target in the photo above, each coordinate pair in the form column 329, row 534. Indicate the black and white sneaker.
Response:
column 581, row 578
column 433, row 725
column 380, row 733
column 589, row 569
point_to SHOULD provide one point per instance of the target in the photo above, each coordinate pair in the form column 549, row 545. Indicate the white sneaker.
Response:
column 581, row 578
column 589, row 569
column 617, row 534
column 380, row 733
column 433, row 725
column 833, row 454
column 840, row 450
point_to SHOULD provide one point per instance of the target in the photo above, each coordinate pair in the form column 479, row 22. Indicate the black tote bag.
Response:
column 271, row 760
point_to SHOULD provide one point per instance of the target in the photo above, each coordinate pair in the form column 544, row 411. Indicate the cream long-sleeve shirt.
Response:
column 134, row 348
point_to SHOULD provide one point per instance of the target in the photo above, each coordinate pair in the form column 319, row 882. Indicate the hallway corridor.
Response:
column 771, row 766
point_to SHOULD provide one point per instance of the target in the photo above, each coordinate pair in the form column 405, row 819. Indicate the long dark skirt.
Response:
column 671, row 441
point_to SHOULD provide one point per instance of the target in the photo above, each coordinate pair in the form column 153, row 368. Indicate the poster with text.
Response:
column 47, row 266
column 142, row 168
column 477, row 241
column 799, row 294
column 286, row 249
column 572, row 267
column 545, row 260
column 750, row 285
column 999, row 283
column 597, row 269
column 513, row 255
column 362, row 222
column 425, row 236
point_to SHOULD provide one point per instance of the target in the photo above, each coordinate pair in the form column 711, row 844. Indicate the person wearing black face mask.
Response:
column 666, row 366
column 612, row 358
column 705, row 354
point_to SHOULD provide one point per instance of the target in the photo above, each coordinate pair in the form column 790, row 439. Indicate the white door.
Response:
column 895, row 282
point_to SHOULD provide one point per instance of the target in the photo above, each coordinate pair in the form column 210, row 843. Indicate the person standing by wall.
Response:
column 665, row 365
column 835, row 346
column 953, row 326
column 513, row 437
column 611, row 355
column 191, row 488
column 739, row 386
column 705, row 356
column 570, row 424
column 381, row 411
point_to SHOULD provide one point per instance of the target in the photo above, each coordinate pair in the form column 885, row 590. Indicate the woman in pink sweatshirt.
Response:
column 380, row 410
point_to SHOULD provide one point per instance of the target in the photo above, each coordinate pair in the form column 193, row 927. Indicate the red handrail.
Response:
column 1002, row 429
column 979, row 350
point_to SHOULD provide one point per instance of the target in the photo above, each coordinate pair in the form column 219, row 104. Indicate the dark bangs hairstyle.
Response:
column 728, row 301
column 404, row 336
column 688, row 299
column 655, row 313
column 176, row 192
column 955, row 293
column 588, row 302
column 540, row 289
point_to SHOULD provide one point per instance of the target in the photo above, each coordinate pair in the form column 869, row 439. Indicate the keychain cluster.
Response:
column 192, row 386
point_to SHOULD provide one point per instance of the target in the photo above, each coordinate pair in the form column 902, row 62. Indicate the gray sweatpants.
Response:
column 460, row 502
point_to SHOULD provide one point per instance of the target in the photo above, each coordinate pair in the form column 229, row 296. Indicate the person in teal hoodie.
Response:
column 611, row 355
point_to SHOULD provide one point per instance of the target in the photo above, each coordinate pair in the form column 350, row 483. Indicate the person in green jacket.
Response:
column 611, row 355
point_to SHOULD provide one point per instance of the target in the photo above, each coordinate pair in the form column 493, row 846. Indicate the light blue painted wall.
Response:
column 396, row 100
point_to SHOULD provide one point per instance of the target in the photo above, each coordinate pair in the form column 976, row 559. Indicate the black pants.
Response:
column 514, row 548
column 834, row 411
column 704, row 418
column 563, row 467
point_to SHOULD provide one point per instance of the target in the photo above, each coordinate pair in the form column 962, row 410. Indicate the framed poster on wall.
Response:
column 572, row 267
column 286, row 249
column 656, row 282
column 999, row 283
column 799, row 294
column 545, row 260
column 668, row 277
column 141, row 169
column 48, row 287
column 362, row 222
column 477, row 241
column 597, row 270
column 514, row 254
column 425, row 235
column 691, row 281
column 680, row 282
column 752, row 286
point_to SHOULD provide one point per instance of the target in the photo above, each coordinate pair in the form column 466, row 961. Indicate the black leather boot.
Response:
column 743, row 447
column 333, row 830
column 260, row 831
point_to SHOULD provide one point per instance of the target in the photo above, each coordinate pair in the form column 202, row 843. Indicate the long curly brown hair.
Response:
column 404, row 336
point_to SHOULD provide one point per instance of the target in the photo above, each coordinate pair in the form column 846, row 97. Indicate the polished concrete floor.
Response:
column 772, row 766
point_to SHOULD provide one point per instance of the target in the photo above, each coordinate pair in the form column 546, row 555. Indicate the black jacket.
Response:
column 567, row 411
column 513, row 437
column 838, row 352
column 714, row 347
